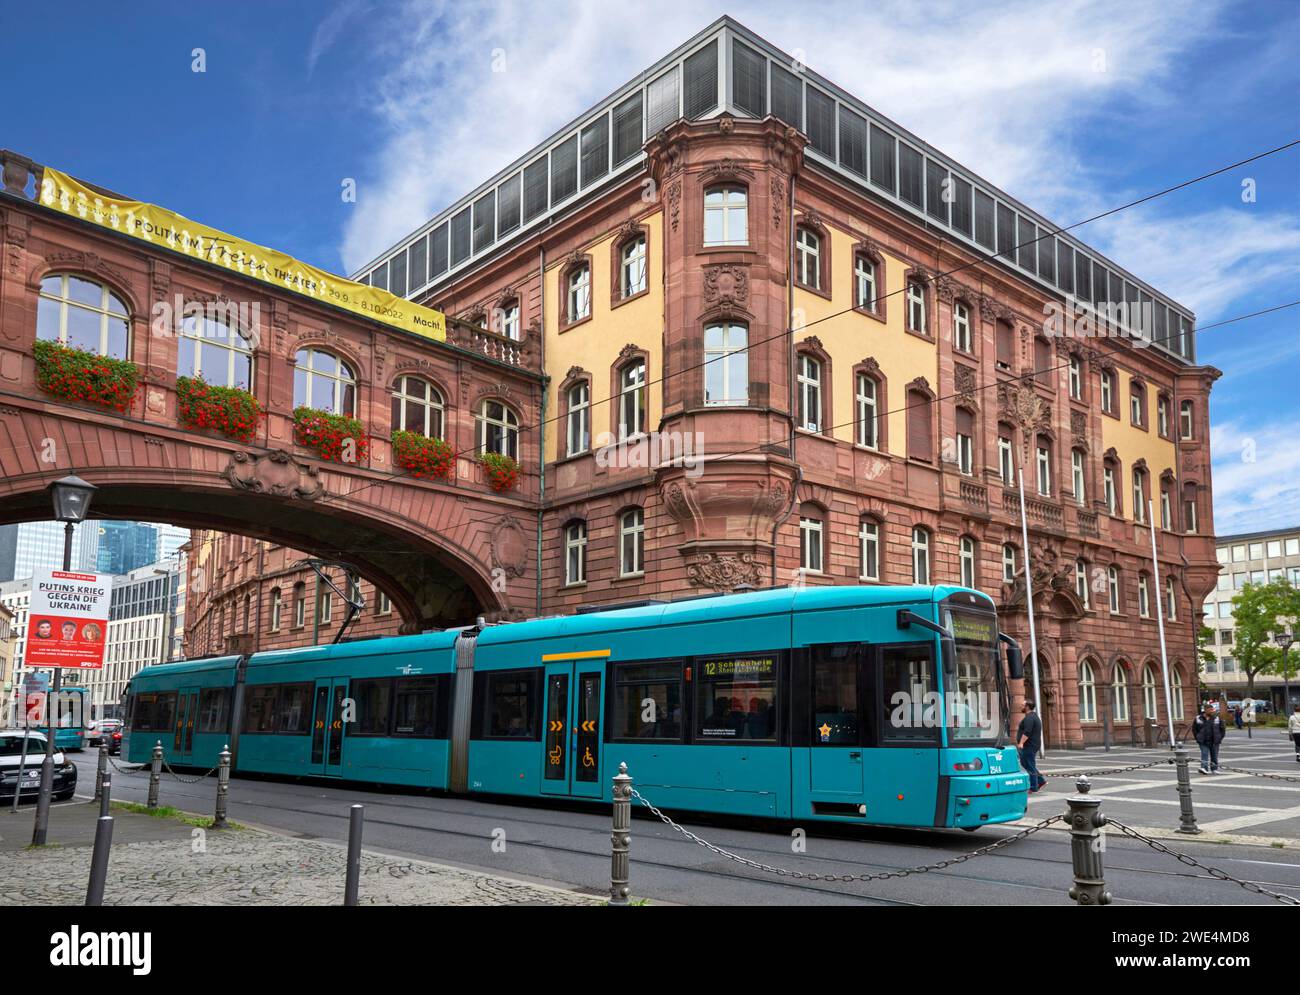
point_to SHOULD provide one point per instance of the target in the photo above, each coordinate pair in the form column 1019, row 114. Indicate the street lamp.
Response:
column 71, row 496
column 1284, row 640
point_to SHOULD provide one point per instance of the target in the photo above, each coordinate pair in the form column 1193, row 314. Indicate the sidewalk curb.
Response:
column 1160, row 833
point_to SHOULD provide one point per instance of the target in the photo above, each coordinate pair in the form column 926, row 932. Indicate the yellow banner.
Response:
column 158, row 226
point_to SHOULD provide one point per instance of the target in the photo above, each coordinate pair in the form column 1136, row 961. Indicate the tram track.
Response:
column 549, row 824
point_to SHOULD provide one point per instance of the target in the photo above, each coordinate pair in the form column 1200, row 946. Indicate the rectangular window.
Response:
column 1065, row 267
column 373, row 700
column 748, row 79
column 735, row 698
column 787, row 98
column 1006, row 467
column 460, row 237
column 508, row 709
column 961, row 207
column 700, row 74
column 911, row 183
column 485, row 221
column 420, row 263
column 906, row 676
column 937, row 188
column 259, row 708
column 1006, row 233
column 836, row 712
column 438, row 255
column 397, row 274
column 869, row 551
column 535, row 202
column 810, row 545
column 853, row 142
column 984, row 223
column 1026, row 250
column 595, row 151
column 663, row 102
column 882, row 158
column 508, row 206
column 1046, row 255
column 294, row 709
column 564, row 170
column 415, row 707
column 379, row 276
column 821, row 122
column 214, row 710
column 646, row 701
column 1082, row 277
column 627, row 129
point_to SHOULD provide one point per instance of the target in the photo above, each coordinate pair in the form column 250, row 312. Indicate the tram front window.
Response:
column 975, row 703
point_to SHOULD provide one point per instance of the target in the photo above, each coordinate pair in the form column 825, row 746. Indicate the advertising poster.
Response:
column 68, row 622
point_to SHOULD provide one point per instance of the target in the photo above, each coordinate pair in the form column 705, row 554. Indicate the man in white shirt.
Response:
column 1293, row 727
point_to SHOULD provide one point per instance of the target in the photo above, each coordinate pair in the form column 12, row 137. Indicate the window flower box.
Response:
column 85, row 377
column 423, row 457
column 502, row 472
column 336, row 438
column 232, row 411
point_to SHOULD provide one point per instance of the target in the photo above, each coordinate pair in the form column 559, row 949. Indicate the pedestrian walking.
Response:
column 1293, row 727
column 1237, row 716
column 1208, row 731
column 1029, row 741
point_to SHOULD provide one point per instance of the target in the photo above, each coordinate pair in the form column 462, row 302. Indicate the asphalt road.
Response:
column 569, row 846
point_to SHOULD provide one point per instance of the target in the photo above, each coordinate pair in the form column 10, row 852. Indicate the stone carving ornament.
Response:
column 726, row 286
column 724, row 571
column 276, row 473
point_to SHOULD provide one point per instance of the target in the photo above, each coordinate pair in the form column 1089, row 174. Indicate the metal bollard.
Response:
column 155, row 774
column 355, row 819
column 1186, row 816
column 104, row 788
column 223, row 788
column 102, row 768
column 1086, row 845
column 620, row 861
column 99, row 860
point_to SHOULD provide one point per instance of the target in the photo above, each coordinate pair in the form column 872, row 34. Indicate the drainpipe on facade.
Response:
column 315, row 615
column 541, row 441
column 790, row 376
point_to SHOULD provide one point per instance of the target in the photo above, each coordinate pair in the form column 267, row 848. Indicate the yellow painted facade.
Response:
column 594, row 345
column 1132, row 444
column 850, row 337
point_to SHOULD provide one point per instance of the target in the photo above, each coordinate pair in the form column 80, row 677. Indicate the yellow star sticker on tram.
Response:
column 825, row 730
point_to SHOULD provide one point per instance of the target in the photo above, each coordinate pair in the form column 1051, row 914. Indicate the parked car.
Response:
column 96, row 730
column 27, row 780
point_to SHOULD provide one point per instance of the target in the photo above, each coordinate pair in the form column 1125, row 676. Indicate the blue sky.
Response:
column 1074, row 108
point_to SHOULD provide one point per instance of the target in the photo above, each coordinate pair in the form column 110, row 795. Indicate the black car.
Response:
column 104, row 729
column 28, row 781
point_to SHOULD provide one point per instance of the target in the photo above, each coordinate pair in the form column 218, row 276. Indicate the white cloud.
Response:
column 331, row 28
column 1003, row 90
column 1256, row 466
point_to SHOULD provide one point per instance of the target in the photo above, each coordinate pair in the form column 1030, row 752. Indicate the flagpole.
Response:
column 1160, row 621
column 1029, row 603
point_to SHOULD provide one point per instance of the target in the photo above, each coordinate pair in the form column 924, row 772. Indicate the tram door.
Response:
column 327, row 726
column 187, row 716
column 902, row 755
column 571, row 726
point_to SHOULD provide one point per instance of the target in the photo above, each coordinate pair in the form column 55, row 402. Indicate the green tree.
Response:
column 1255, row 613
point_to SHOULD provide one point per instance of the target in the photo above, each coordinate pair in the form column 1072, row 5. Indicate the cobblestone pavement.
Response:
column 250, row 867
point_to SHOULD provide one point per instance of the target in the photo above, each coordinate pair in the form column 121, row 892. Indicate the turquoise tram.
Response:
column 881, row 705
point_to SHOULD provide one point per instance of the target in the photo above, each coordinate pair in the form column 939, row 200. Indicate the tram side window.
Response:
column 295, row 708
column 416, row 707
column 259, row 712
column 906, row 677
column 214, row 710
column 736, row 698
column 647, row 701
column 510, row 705
column 153, row 713
column 835, row 714
column 374, row 700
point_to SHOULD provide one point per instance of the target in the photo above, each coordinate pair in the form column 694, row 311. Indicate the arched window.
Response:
column 1112, row 588
column 807, row 254
column 575, row 553
column 417, row 407
column 726, row 364
column 1076, row 378
column 726, row 216
column 1139, row 495
column 810, row 539
column 866, row 280
column 323, row 381
column 1176, row 689
column 920, row 426
column 1008, row 563
column 632, row 267
column 507, row 316
column 1162, row 415
column 1043, row 464
column 577, row 293
column 631, row 543
column 81, row 314
column 1119, row 694
column 1137, row 403
column 962, row 339
column 1006, row 345
column 1006, row 454
column 1149, row 697
column 631, row 400
column 868, row 550
column 1044, row 368
column 248, row 613
column 920, row 555
column 1185, row 422
column 916, row 310
column 1087, row 693
column 1171, row 600
column 1110, row 485
column 216, row 351
column 966, row 555
column 1190, row 509
column 867, row 399
column 579, row 416
column 1081, row 582
column 1144, row 597
column 1107, row 381
column 810, row 392
column 498, row 429
column 276, row 608
column 966, row 441
column 299, row 605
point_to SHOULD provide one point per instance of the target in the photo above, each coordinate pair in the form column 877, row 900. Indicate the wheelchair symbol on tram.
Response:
column 587, row 759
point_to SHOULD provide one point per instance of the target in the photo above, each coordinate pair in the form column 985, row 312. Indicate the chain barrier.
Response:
column 143, row 768
column 1259, row 773
column 846, row 878
column 1214, row 872
column 187, row 780
column 1107, row 770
